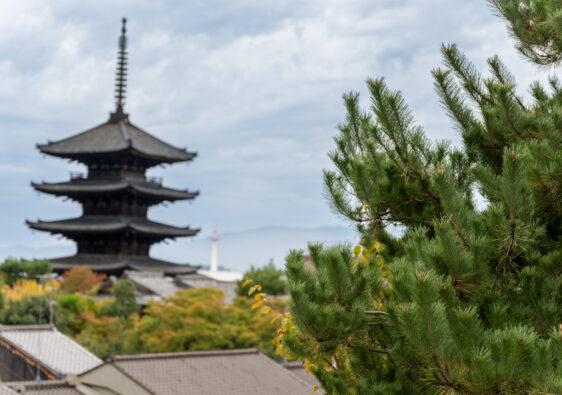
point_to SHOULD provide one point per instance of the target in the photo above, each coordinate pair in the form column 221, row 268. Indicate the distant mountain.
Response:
column 237, row 251
column 55, row 250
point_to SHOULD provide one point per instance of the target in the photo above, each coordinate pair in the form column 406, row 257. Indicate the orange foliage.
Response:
column 81, row 279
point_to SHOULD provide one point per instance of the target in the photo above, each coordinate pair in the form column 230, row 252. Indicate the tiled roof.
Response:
column 5, row 390
column 118, row 263
column 104, row 224
column 114, row 137
column 89, row 187
column 200, row 281
column 52, row 387
column 298, row 369
column 210, row 372
column 50, row 347
column 154, row 281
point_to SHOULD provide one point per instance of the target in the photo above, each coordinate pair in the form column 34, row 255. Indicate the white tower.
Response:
column 214, row 245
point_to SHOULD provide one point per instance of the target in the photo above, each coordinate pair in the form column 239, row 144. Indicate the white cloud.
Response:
column 254, row 86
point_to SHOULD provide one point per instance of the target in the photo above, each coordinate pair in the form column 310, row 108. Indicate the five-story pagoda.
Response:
column 114, row 234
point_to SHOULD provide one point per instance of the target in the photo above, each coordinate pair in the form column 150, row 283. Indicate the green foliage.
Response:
column 472, row 300
column 124, row 303
column 191, row 320
column 104, row 335
column 13, row 269
column 69, row 306
column 26, row 311
column 328, row 304
column 199, row 319
column 269, row 277
column 537, row 27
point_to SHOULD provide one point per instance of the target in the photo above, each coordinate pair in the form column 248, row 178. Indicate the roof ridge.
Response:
column 125, row 133
column 21, row 349
column 7, row 328
column 181, row 354
column 125, row 136
column 49, row 142
column 148, row 134
column 34, row 384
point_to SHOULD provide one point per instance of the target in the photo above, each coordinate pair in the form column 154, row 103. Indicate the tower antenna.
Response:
column 121, row 75
column 214, row 261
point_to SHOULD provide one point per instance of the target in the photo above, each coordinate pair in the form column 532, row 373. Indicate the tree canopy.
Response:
column 269, row 277
column 468, row 300
column 193, row 319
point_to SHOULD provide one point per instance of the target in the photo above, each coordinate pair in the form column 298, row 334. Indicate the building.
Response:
column 244, row 371
column 214, row 277
column 114, row 234
column 28, row 352
column 157, row 285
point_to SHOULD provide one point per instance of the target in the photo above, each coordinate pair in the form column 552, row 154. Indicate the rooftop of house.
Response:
column 51, row 387
column 45, row 345
column 240, row 371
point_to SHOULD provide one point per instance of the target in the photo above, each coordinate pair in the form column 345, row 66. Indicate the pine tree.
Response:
column 537, row 27
column 472, row 302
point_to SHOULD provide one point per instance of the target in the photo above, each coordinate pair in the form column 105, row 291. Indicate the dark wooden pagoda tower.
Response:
column 114, row 234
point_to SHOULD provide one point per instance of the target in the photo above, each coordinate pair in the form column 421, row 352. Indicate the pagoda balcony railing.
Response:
column 77, row 175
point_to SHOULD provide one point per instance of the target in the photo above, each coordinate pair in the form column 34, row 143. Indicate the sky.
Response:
column 254, row 86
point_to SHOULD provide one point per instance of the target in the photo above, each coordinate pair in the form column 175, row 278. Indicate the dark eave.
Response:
column 98, row 224
column 81, row 188
column 116, row 137
column 119, row 263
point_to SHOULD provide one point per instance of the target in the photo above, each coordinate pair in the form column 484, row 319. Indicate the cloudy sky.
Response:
column 253, row 85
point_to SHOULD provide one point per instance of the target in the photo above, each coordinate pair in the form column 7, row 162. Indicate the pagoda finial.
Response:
column 121, row 76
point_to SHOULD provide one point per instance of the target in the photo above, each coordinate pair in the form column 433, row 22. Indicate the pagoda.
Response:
column 114, row 234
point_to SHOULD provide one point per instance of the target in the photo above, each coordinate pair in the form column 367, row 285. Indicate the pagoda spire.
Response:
column 121, row 76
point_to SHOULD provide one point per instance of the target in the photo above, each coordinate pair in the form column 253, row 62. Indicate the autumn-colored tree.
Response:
column 81, row 279
column 199, row 319
column 26, row 302
column 103, row 335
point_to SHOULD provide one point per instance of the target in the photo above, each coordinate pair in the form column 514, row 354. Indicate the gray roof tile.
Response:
column 116, row 137
column 47, row 345
column 154, row 281
column 103, row 224
column 211, row 372
column 116, row 263
column 89, row 187
column 201, row 281
column 52, row 387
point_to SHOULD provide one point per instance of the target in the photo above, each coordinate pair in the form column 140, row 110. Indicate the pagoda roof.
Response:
column 89, row 187
column 100, row 224
column 119, row 263
column 116, row 137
